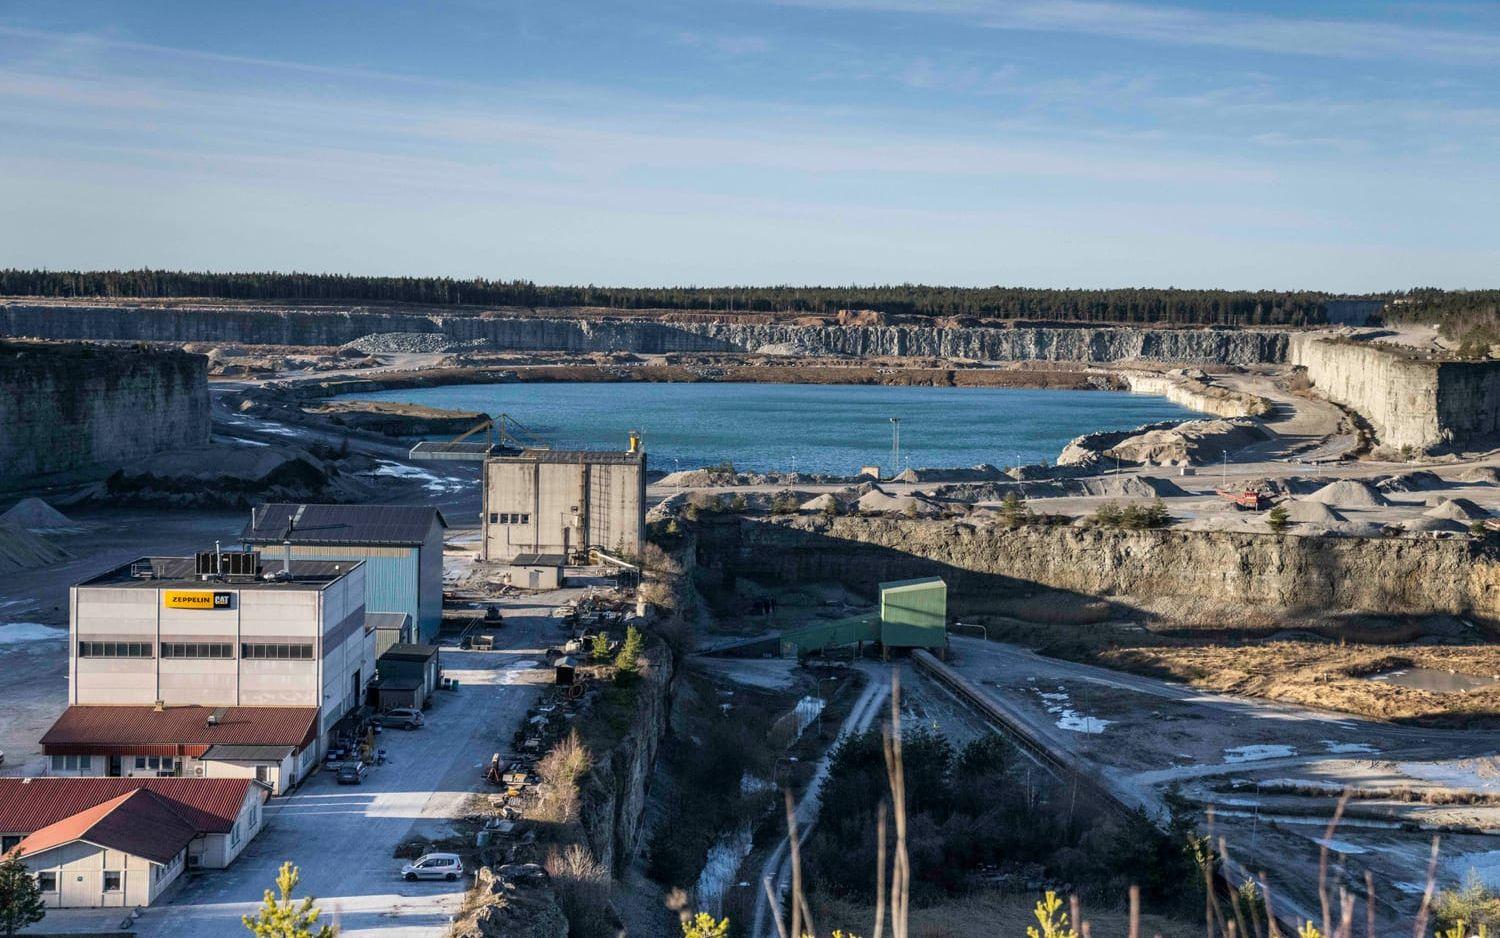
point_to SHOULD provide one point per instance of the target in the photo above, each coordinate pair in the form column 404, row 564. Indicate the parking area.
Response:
column 343, row 837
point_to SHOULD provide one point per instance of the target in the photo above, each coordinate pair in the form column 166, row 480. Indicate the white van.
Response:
column 434, row 866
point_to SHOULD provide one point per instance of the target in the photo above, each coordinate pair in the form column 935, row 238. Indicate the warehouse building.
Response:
column 914, row 613
column 409, row 676
column 401, row 547
column 223, row 630
column 123, row 843
column 564, row 502
column 276, row 746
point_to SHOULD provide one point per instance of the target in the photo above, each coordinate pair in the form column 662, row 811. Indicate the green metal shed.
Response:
column 914, row 613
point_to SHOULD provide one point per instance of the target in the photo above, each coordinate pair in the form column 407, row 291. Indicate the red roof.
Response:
column 138, row 823
column 184, row 726
column 209, row 805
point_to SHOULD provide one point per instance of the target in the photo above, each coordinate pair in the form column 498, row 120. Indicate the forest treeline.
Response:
column 1470, row 318
column 1186, row 307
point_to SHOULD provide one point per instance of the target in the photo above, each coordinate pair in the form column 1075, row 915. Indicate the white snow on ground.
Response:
column 1473, row 774
column 1069, row 719
column 1485, row 864
column 1319, row 783
column 1335, row 746
column 1340, row 846
column 432, row 483
column 1253, row 753
column 15, row 633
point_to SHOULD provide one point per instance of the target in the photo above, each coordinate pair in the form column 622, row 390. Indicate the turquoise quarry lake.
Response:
column 807, row 427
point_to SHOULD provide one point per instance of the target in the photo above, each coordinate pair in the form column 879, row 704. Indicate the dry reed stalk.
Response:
column 1421, row 924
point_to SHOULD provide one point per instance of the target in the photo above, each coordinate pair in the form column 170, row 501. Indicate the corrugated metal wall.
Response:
column 914, row 616
column 391, row 575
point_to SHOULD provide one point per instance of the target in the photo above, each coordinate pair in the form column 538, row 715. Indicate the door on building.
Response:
column 354, row 686
column 114, row 767
column 535, row 578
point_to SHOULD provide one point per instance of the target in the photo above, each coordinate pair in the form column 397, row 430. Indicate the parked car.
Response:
column 405, row 718
column 434, row 866
column 351, row 773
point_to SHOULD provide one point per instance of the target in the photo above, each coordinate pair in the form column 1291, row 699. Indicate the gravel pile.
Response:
column 1349, row 493
column 408, row 342
column 1308, row 512
column 1457, row 509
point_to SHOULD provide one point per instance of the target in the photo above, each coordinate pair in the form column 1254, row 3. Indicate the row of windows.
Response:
column 114, row 650
column 155, row 763
column 506, row 517
column 279, row 651
column 197, row 649
column 259, row 650
column 72, row 763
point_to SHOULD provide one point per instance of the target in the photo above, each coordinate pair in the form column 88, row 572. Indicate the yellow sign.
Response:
column 196, row 599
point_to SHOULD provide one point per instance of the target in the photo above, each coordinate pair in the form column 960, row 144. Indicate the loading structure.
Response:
column 913, row 614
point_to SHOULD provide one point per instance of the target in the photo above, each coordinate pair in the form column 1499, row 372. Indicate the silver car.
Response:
column 446, row 866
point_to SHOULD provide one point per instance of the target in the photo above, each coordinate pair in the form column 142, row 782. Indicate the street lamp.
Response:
column 895, row 446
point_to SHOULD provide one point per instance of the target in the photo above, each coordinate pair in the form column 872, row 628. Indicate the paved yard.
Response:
column 342, row 837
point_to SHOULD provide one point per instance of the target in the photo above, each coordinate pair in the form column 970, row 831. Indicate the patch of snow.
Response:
column 1321, row 784
column 1335, row 746
column 431, row 482
column 1472, row 774
column 1080, row 723
column 1340, row 846
column 1484, row 864
column 247, row 442
column 15, row 633
column 1254, row 753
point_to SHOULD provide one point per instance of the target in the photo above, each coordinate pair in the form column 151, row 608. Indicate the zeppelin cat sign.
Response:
column 196, row 599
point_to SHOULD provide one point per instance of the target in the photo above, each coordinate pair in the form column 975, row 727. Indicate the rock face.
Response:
column 613, row 795
column 512, row 901
column 1193, row 569
column 1408, row 401
column 66, row 408
column 271, row 326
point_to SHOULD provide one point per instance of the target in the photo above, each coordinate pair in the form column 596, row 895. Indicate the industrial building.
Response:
column 391, row 628
column 223, row 630
column 536, row 571
column 564, row 502
column 123, row 843
column 913, row 614
column 401, row 547
column 409, row 676
column 276, row 746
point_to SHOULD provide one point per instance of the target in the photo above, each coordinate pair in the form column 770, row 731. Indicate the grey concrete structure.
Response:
column 152, row 632
column 563, row 502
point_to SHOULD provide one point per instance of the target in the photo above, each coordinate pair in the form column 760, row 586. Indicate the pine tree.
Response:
column 20, row 896
column 285, row 917
column 1013, row 511
column 630, row 652
column 600, row 651
column 1277, row 519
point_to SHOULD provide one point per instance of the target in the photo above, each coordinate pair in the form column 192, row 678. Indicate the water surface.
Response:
column 805, row 427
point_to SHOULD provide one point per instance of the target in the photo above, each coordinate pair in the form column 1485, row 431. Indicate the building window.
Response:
column 276, row 651
column 112, row 880
column 234, row 834
column 46, row 881
column 494, row 518
column 197, row 650
column 72, row 763
column 155, row 763
column 114, row 650
column 8, row 843
column 509, row 517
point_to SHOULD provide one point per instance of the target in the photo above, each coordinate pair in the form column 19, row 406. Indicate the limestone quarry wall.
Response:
column 1409, row 402
column 1186, row 569
column 71, row 408
column 270, row 326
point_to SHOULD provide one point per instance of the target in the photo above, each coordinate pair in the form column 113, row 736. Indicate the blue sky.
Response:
column 1338, row 146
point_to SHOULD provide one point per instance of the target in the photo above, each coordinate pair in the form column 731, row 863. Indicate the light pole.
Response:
column 895, row 446
column 1224, row 476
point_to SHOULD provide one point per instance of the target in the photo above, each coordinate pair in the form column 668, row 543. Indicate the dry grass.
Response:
column 1328, row 676
column 990, row 913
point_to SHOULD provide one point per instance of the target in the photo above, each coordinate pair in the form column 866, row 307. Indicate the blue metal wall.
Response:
column 392, row 581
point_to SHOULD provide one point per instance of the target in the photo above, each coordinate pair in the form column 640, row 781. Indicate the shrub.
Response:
column 785, row 503
column 561, row 769
column 582, row 887
column 1277, row 519
column 1013, row 511
column 1472, row 905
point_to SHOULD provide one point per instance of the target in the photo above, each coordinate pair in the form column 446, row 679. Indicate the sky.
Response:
column 1343, row 146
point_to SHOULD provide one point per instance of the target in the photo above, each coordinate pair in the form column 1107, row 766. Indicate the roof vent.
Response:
column 159, row 706
column 216, row 716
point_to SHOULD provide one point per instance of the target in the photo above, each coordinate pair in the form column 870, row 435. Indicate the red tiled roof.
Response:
column 209, row 805
column 138, row 823
column 124, row 726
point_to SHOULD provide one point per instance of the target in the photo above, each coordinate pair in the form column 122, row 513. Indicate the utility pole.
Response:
column 1224, row 477
column 895, row 446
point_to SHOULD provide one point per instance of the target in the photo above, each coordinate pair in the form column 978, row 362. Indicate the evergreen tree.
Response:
column 600, row 650
column 1013, row 511
column 20, row 896
column 1277, row 520
column 284, row 917
column 630, row 652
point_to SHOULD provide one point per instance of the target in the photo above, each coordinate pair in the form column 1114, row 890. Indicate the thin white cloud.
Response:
column 1341, row 38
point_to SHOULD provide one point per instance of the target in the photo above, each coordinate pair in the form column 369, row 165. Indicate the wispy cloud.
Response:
column 1343, row 38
